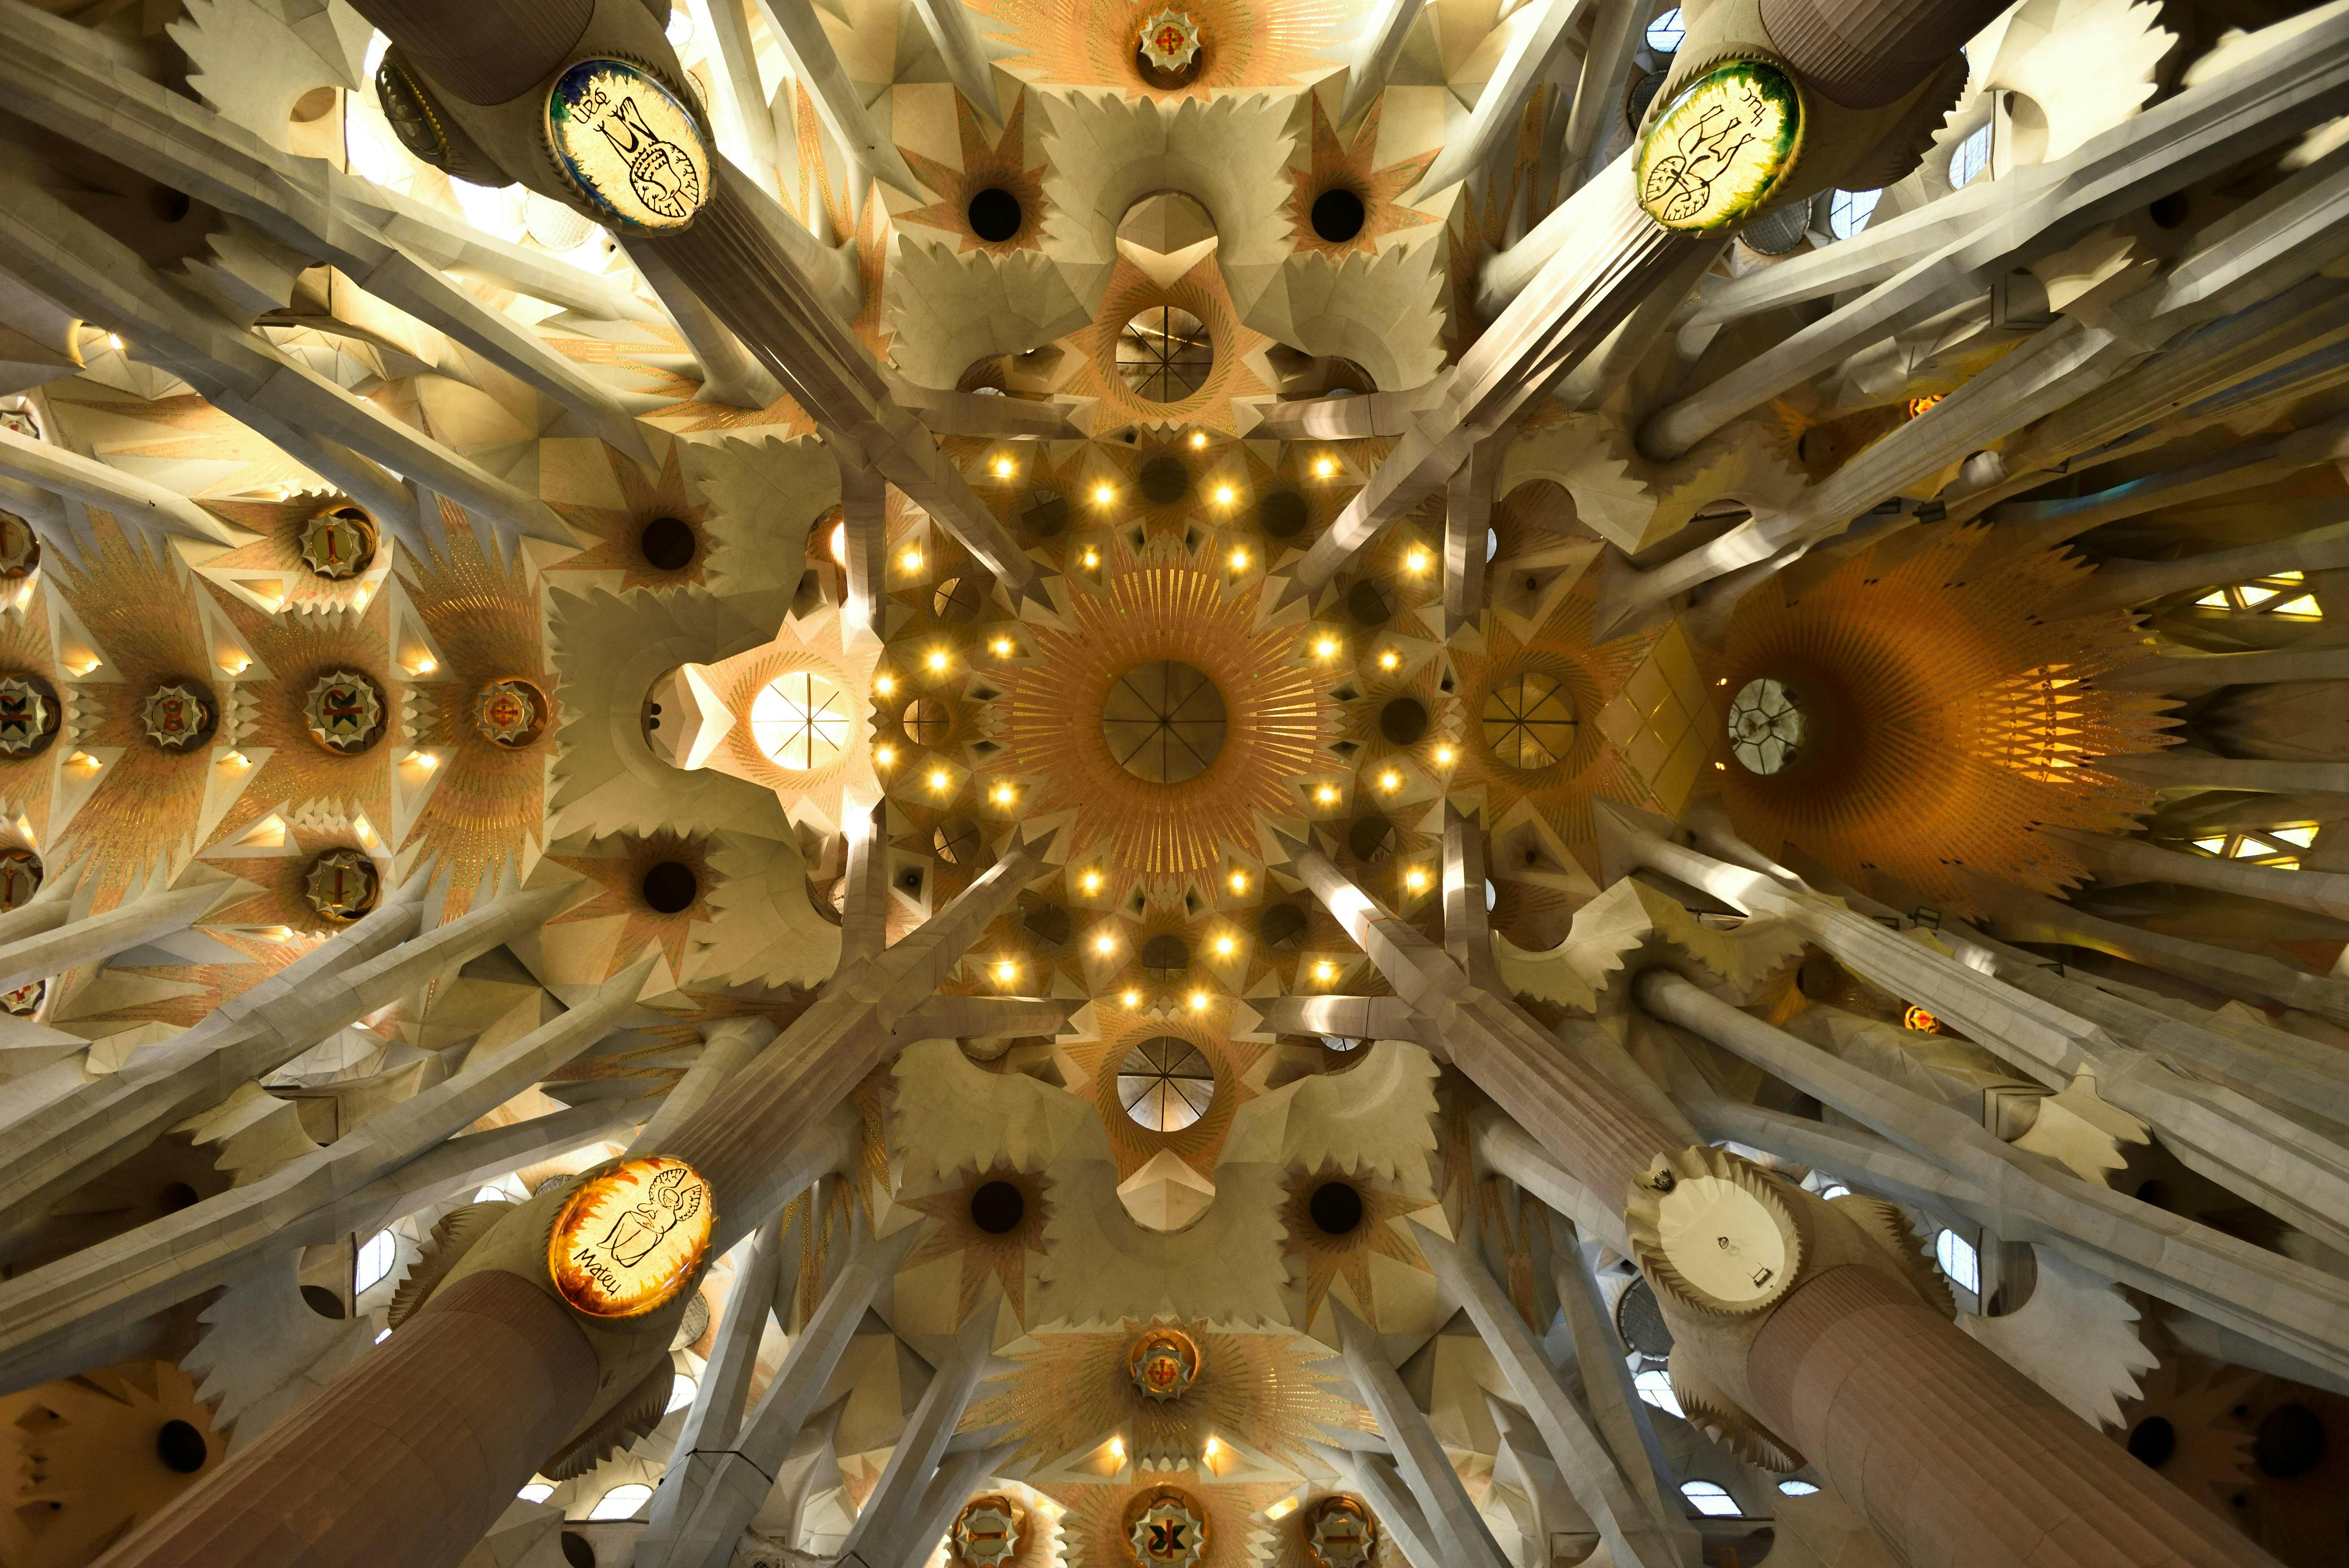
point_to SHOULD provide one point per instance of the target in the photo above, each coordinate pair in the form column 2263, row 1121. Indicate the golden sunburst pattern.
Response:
column 1094, row 1530
column 1072, row 1387
column 1090, row 42
column 617, row 531
column 1199, row 291
column 1947, row 723
column 999, row 165
column 270, row 568
column 1352, row 165
column 1346, row 1255
column 1590, row 678
column 140, row 609
column 1161, row 602
column 961, row 1220
column 487, row 800
column 29, row 783
column 619, row 866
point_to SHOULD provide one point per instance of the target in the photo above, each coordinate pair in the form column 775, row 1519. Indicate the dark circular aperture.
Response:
column 1281, row 514
column 1371, row 603
column 2290, row 1441
column 1048, row 924
column 1403, row 720
column 997, row 1208
column 2152, row 1441
column 667, row 543
column 578, row 1551
column 995, row 215
column 1370, row 838
column 671, row 887
column 1336, row 1208
column 1338, row 215
column 181, row 1448
column 1280, row 926
column 1164, row 481
column 1164, row 958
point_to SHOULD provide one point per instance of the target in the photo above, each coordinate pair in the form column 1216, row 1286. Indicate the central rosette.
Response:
column 1161, row 720
column 1164, row 721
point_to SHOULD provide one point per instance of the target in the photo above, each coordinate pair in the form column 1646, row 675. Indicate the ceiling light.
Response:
column 1444, row 756
column 1323, row 468
column 911, row 560
column 1103, row 495
column 937, row 778
column 840, row 542
column 1325, row 970
column 424, row 665
column 1004, row 468
column 884, row 685
column 1414, row 560
column 1092, row 557
column 1001, row 794
column 1239, row 560
column 1198, row 437
column 938, row 659
column 1091, row 882
column 1239, row 881
column 1326, row 647
column 1327, row 795
column 1006, row 973
column 1226, row 495
column 1131, row 999
column 1104, row 942
column 1198, row 1000
column 1415, row 880
column 1390, row 660
column 1001, row 647
column 884, row 755
column 1389, row 779
column 1225, row 947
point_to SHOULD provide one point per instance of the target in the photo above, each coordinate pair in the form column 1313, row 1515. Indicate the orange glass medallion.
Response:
column 630, row 1239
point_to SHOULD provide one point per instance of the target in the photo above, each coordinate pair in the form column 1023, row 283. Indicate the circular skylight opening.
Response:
column 1164, row 721
column 1529, row 721
column 1665, row 33
column 1165, row 1084
column 1765, row 727
column 1164, row 354
column 800, row 721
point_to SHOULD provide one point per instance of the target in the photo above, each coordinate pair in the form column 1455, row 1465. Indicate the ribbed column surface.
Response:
column 407, row 1460
column 485, row 51
column 1950, row 1455
column 1863, row 54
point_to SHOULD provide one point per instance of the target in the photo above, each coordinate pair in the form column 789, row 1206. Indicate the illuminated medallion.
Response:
column 177, row 718
column 22, row 421
column 1766, row 727
column 1715, row 1234
column 338, row 543
column 627, row 144
column 20, row 548
column 24, row 1000
column 1920, row 1021
column 342, row 885
column 629, row 1240
column 28, row 715
column 1721, row 148
column 343, row 711
column 20, row 877
column 1338, row 1533
column 510, row 713
column 1167, row 1531
column 987, row 1531
column 1169, row 41
column 1164, row 1363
